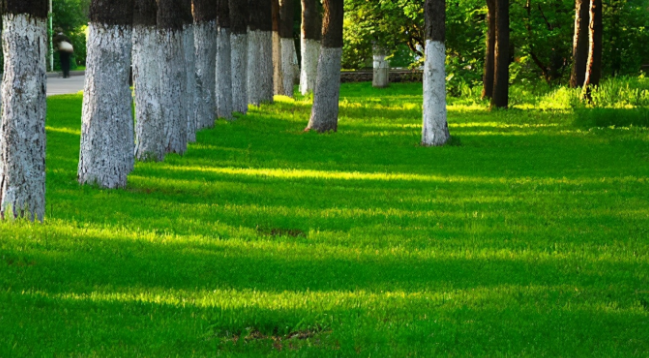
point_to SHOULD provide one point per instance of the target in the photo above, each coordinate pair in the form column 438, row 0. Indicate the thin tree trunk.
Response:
column 255, row 19
column 287, row 47
column 324, row 114
column 223, row 62
column 278, row 81
column 381, row 75
column 500, row 96
column 107, row 138
column 488, row 75
column 580, row 44
column 191, row 93
column 239, row 45
column 173, row 77
column 205, row 50
column 265, row 80
column 310, row 49
column 594, row 63
column 149, row 129
column 22, row 127
column 435, row 128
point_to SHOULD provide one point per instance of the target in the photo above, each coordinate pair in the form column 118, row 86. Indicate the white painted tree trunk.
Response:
column 278, row 80
column 149, row 129
column 435, row 129
column 254, row 67
column 310, row 53
column 324, row 114
column 191, row 93
column 381, row 77
column 239, row 46
column 205, row 44
column 22, row 131
column 223, row 74
column 266, row 67
column 288, row 66
column 173, row 84
column 107, row 143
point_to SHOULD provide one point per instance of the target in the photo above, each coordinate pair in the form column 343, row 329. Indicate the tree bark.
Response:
column 254, row 47
column 324, row 114
column 580, row 44
column 173, row 77
column 107, row 138
column 239, row 47
column 278, row 81
column 310, row 45
column 287, row 47
column 191, row 93
column 488, row 75
column 223, row 62
column 594, row 63
column 381, row 75
column 265, row 80
column 22, row 127
column 500, row 95
column 149, row 129
column 435, row 127
column 205, row 53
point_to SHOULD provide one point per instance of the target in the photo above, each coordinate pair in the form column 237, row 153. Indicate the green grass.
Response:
column 528, row 237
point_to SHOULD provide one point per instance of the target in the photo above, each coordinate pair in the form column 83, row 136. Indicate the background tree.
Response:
column 435, row 128
column 265, row 79
column 287, row 47
column 500, row 96
column 594, row 62
column 310, row 44
column 239, row 46
column 580, row 44
column 107, row 142
column 205, row 50
column 255, row 19
column 324, row 114
column 381, row 66
column 22, row 127
column 149, row 130
column 278, row 82
column 223, row 61
column 490, row 44
column 191, row 93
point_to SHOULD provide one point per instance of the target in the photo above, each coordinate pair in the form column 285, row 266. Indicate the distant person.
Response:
column 65, row 49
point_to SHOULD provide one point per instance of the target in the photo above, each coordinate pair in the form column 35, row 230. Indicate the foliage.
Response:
column 71, row 17
column 526, row 239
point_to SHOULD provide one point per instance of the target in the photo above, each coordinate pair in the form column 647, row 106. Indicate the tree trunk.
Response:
column 205, row 50
column 149, row 131
column 594, row 63
column 173, row 76
column 223, row 62
column 239, row 46
column 324, row 114
column 500, row 96
column 488, row 75
column 22, row 131
column 381, row 76
column 107, row 139
column 278, row 81
column 265, row 80
column 287, row 47
column 435, row 128
column 579, row 44
column 254, row 47
column 310, row 49
column 191, row 93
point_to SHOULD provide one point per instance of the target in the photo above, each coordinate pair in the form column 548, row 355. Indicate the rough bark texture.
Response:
column 192, row 93
column 239, row 16
column 204, row 11
column 173, row 79
column 168, row 14
column 149, row 130
column 381, row 66
column 595, row 29
column 488, row 74
column 111, row 12
column 33, row 8
column 580, row 44
column 107, row 143
column 22, row 127
column 310, row 45
column 223, row 74
column 265, row 81
column 254, row 67
column 500, row 97
column 278, row 81
column 288, row 66
column 311, row 20
column 332, row 24
column 324, row 114
column 239, row 45
column 205, row 46
column 145, row 13
column 223, row 14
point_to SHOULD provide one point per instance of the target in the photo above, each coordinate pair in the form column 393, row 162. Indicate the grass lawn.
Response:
column 527, row 237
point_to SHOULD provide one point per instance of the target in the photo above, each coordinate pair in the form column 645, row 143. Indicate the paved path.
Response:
column 59, row 85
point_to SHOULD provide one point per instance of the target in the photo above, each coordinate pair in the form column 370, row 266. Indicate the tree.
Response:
column 278, row 82
column 191, row 93
column 255, row 19
column 500, row 96
column 146, row 69
column 287, row 46
column 22, row 131
column 310, row 44
column 107, row 142
column 580, row 44
column 381, row 66
column 205, row 50
column 223, row 61
column 488, row 73
column 173, row 76
column 594, row 62
column 324, row 114
column 435, row 128
column 265, row 79
column 239, row 45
